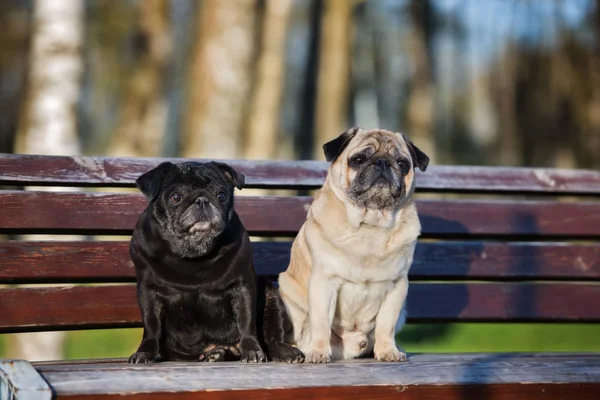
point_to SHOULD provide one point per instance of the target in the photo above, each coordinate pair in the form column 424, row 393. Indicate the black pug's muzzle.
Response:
column 200, row 216
column 378, row 185
column 197, row 225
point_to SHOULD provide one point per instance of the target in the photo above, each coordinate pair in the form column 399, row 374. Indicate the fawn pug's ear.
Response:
column 335, row 147
column 420, row 160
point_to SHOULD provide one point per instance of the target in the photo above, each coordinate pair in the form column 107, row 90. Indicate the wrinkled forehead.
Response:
column 378, row 141
column 196, row 174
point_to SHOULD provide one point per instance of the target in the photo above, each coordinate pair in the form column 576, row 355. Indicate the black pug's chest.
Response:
column 195, row 321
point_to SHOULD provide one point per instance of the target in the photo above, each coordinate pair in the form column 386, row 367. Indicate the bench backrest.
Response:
column 498, row 244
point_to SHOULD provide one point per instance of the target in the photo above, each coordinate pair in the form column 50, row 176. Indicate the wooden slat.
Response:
column 106, row 171
column 64, row 262
column 47, row 308
column 68, row 307
column 117, row 213
column 122, row 172
column 423, row 377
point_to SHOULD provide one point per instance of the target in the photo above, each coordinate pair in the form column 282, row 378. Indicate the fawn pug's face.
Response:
column 374, row 168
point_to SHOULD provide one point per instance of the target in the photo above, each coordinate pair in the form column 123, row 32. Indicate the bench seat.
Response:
column 424, row 376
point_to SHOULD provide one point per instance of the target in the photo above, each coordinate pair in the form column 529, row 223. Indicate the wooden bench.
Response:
column 498, row 244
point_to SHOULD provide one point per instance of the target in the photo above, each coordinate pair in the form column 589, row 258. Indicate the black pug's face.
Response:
column 375, row 168
column 192, row 203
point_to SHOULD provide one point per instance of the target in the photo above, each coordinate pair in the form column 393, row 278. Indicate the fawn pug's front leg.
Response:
column 322, row 298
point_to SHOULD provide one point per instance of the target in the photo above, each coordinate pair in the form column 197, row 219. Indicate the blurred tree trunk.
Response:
column 220, row 78
column 592, row 145
column 142, row 122
column 504, row 81
column 334, row 73
column 302, row 65
column 420, row 102
column 265, row 106
column 182, row 41
column 363, row 72
column 49, row 122
column 15, row 18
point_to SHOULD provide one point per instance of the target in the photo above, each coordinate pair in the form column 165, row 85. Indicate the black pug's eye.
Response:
column 175, row 198
column 222, row 197
column 357, row 160
column 404, row 166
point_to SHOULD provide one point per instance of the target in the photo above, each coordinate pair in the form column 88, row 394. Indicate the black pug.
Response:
column 196, row 284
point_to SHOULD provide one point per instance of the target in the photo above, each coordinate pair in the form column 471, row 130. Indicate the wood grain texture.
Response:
column 106, row 171
column 111, row 306
column 114, row 213
column 424, row 376
column 69, row 262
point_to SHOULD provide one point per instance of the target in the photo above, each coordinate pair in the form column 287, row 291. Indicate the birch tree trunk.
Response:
column 220, row 79
column 49, row 122
column 48, row 125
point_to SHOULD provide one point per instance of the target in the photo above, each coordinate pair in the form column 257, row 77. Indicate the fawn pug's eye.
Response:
column 357, row 160
column 404, row 166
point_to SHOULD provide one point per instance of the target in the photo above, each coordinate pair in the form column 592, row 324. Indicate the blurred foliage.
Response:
column 511, row 82
column 415, row 338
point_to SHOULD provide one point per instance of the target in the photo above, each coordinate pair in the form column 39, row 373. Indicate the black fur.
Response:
column 335, row 147
column 196, row 284
column 420, row 159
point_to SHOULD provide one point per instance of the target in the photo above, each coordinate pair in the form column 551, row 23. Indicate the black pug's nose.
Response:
column 382, row 163
column 202, row 202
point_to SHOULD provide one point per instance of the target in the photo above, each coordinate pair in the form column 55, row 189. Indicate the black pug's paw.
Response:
column 250, row 351
column 141, row 357
column 283, row 352
column 213, row 355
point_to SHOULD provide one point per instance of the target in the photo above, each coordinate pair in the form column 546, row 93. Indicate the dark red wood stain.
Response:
column 64, row 262
column 279, row 215
column 78, row 307
column 514, row 391
column 107, row 171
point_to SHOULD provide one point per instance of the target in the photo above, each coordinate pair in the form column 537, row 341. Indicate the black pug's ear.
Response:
column 335, row 147
column 420, row 159
column 149, row 183
column 237, row 178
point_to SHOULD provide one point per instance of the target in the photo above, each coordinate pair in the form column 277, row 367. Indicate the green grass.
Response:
column 415, row 338
column 111, row 343
column 500, row 337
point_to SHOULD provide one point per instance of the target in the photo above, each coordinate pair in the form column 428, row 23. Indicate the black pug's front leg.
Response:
column 244, row 309
column 278, row 330
column 152, row 317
